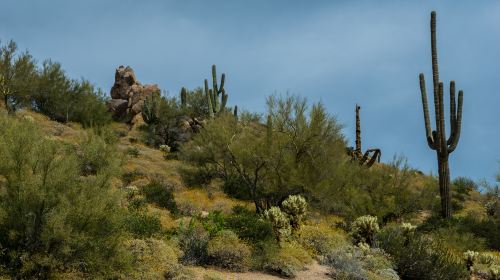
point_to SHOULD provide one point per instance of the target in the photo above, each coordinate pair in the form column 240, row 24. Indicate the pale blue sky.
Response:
column 339, row 52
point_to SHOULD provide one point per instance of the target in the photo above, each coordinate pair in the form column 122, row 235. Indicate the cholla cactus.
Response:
column 469, row 258
column 165, row 149
column 363, row 229
column 364, row 247
column 408, row 227
column 495, row 272
column 279, row 222
column 491, row 207
column 295, row 206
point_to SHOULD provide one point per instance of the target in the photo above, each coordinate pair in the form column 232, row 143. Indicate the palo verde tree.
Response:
column 293, row 153
column 17, row 75
column 436, row 139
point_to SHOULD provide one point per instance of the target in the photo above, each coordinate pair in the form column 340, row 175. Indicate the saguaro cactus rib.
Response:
column 436, row 139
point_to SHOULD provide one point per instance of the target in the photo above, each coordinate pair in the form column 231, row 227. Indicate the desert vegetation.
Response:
column 183, row 183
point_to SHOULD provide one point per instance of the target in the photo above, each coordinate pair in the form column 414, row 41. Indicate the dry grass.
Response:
column 192, row 201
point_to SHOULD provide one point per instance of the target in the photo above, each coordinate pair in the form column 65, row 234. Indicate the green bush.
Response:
column 52, row 219
column 160, row 194
column 351, row 262
column 419, row 256
column 321, row 240
column 248, row 225
column 142, row 224
column 193, row 241
column 286, row 258
column 133, row 152
column 214, row 223
column 151, row 259
column 228, row 251
column 470, row 231
column 96, row 154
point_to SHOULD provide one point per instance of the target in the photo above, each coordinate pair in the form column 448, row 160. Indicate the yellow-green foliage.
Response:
column 193, row 201
column 228, row 251
column 321, row 239
column 51, row 218
column 152, row 259
column 286, row 258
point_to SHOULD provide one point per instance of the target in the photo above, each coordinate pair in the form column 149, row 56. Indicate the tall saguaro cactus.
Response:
column 436, row 139
column 214, row 104
column 184, row 96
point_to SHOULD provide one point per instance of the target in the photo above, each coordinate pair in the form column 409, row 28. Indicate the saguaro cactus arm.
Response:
column 215, row 104
column 428, row 130
column 455, row 135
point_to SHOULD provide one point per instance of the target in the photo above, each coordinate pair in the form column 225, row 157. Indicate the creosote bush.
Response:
column 228, row 251
column 193, row 241
column 418, row 256
column 321, row 239
column 286, row 258
column 152, row 258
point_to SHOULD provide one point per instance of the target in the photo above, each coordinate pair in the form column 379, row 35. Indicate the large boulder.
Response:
column 128, row 95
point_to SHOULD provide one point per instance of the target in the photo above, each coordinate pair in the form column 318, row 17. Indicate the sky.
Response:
column 336, row 52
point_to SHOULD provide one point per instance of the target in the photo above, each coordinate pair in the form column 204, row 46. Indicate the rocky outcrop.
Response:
column 128, row 95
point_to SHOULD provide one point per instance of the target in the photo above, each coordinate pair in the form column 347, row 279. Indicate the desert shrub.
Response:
column 482, row 232
column 286, row 258
column 160, row 194
column 53, row 219
column 458, row 239
column 133, row 152
column 364, row 228
column 151, row 259
column 295, row 206
column 228, row 251
column 142, row 224
column 129, row 177
column 321, row 239
column 214, row 223
column 248, row 225
column 95, row 154
column 419, row 256
column 351, row 262
column 193, row 241
column 280, row 223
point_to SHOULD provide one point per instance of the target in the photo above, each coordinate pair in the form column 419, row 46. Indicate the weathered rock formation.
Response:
column 128, row 95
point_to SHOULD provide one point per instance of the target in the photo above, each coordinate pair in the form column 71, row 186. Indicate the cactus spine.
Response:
column 215, row 106
column 436, row 139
